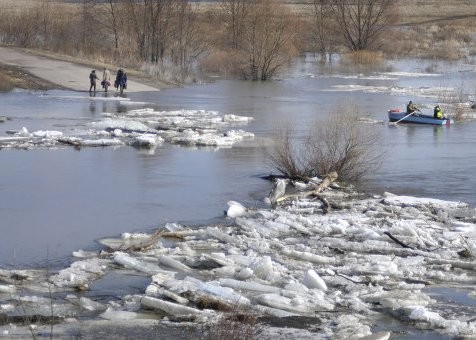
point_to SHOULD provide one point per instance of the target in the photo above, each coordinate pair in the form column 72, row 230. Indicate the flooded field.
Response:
column 60, row 191
column 56, row 200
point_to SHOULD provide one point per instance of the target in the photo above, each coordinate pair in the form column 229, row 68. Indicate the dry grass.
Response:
column 363, row 58
column 14, row 77
column 435, row 29
column 460, row 113
column 448, row 41
column 241, row 323
column 417, row 11
column 16, row 5
column 222, row 63
column 5, row 83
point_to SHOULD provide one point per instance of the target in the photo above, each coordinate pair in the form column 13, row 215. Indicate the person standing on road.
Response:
column 92, row 80
column 121, row 80
column 106, row 79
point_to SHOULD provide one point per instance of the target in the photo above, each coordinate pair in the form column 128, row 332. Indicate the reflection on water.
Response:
column 53, row 202
column 437, row 133
column 430, row 161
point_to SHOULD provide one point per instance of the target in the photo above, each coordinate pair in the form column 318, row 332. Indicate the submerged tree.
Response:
column 258, row 37
column 268, row 40
column 339, row 143
column 322, row 26
column 187, row 41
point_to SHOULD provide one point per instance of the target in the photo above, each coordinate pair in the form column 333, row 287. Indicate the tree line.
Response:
column 250, row 39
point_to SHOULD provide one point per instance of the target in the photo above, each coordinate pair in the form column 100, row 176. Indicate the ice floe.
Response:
column 142, row 128
column 424, row 92
column 80, row 274
column 366, row 258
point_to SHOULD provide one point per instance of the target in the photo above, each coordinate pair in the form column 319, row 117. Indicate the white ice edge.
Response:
column 144, row 128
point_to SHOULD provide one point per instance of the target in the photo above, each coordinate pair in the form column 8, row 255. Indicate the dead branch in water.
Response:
column 151, row 241
column 328, row 180
column 397, row 240
column 325, row 204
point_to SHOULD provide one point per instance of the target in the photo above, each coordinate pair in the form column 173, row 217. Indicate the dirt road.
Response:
column 64, row 74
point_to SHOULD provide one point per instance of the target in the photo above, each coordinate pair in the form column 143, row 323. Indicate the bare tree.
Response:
column 345, row 145
column 88, row 25
column 362, row 22
column 165, row 35
column 322, row 26
column 161, row 29
column 150, row 22
column 234, row 13
column 44, row 14
column 137, row 16
column 186, row 37
column 283, row 154
column 114, row 22
column 268, row 40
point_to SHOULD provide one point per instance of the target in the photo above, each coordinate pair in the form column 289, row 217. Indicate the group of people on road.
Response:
column 437, row 111
column 120, row 83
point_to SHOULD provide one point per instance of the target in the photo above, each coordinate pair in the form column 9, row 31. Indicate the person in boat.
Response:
column 411, row 108
column 438, row 112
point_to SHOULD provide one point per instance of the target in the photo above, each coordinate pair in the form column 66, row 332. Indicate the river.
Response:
column 55, row 201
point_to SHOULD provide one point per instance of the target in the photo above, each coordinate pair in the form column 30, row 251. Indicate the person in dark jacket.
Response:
column 92, row 80
column 411, row 107
column 121, row 80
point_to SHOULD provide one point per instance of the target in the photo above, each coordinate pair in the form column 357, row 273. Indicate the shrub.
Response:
column 169, row 72
column 263, row 34
column 339, row 143
column 362, row 57
column 283, row 154
column 459, row 113
column 223, row 63
column 241, row 323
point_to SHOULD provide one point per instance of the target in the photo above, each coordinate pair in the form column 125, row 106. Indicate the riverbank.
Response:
column 119, row 287
column 430, row 29
column 337, row 267
column 16, row 77
column 37, row 70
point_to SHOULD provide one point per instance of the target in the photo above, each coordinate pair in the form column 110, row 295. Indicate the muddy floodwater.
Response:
column 54, row 201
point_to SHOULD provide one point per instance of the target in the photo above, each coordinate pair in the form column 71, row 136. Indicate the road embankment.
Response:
column 31, row 71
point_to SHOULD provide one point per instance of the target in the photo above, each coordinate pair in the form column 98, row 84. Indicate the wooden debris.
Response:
column 146, row 244
column 397, row 240
column 465, row 253
column 325, row 204
column 326, row 182
column 151, row 241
